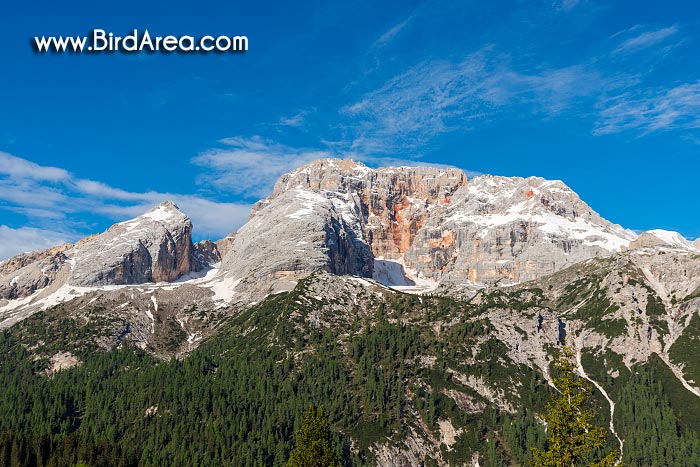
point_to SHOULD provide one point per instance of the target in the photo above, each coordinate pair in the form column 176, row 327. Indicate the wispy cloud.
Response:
column 566, row 5
column 250, row 166
column 52, row 196
column 439, row 96
column 391, row 33
column 24, row 239
column 296, row 120
column 645, row 39
column 421, row 102
column 653, row 110
column 22, row 168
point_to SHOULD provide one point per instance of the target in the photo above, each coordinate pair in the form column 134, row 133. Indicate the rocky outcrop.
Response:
column 26, row 273
column 154, row 247
column 297, row 232
column 206, row 253
column 23, row 259
column 665, row 239
column 224, row 244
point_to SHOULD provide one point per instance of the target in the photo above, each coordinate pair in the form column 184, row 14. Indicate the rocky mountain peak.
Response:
column 321, row 174
column 347, row 176
column 528, row 196
column 419, row 223
column 664, row 239
column 511, row 228
column 166, row 212
column 153, row 247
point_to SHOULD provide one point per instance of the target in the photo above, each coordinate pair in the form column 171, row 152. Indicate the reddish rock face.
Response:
column 395, row 202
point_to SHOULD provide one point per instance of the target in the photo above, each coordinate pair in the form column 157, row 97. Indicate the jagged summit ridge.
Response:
column 514, row 229
column 416, row 228
column 434, row 222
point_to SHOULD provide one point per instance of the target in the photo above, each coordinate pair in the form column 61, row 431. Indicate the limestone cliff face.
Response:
column 436, row 222
column 154, row 247
column 337, row 216
column 205, row 252
column 513, row 229
column 223, row 244
column 296, row 232
column 392, row 203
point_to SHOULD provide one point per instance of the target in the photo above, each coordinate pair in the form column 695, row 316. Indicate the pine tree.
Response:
column 571, row 437
column 314, row 443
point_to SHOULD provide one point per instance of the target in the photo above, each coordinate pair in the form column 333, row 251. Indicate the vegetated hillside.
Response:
column 407, row 380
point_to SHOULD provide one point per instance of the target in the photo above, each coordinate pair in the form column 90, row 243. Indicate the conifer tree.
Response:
column 314, row 444
column 571, row 437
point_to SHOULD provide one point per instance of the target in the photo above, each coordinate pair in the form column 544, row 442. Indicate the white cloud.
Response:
column 425, row 100
column 295, row 120
column 250, row 166
column 24, row 239
column 22, row 168
column 654, row 110
column 51, row 196
column 645, row 40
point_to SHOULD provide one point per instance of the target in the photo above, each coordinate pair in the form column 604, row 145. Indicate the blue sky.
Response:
column 604, row 95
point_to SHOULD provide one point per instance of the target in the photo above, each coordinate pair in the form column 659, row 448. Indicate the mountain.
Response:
column 423, row 308
column 346, row 218
column 155, row 247
column 665, row 239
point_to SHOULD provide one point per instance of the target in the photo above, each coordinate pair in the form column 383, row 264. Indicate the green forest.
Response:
column 239, row 398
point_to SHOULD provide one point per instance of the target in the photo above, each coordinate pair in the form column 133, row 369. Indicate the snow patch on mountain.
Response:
column 672, row 238
column 222, row 294
column 390, row 273
column 667, row 239
column 162, row 213
column 309, row 200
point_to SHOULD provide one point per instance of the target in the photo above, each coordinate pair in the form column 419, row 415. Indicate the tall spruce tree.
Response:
column 314, row 443
column 571, row 437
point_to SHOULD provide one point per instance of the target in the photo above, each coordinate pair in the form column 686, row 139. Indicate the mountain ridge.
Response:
column 413, row 225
